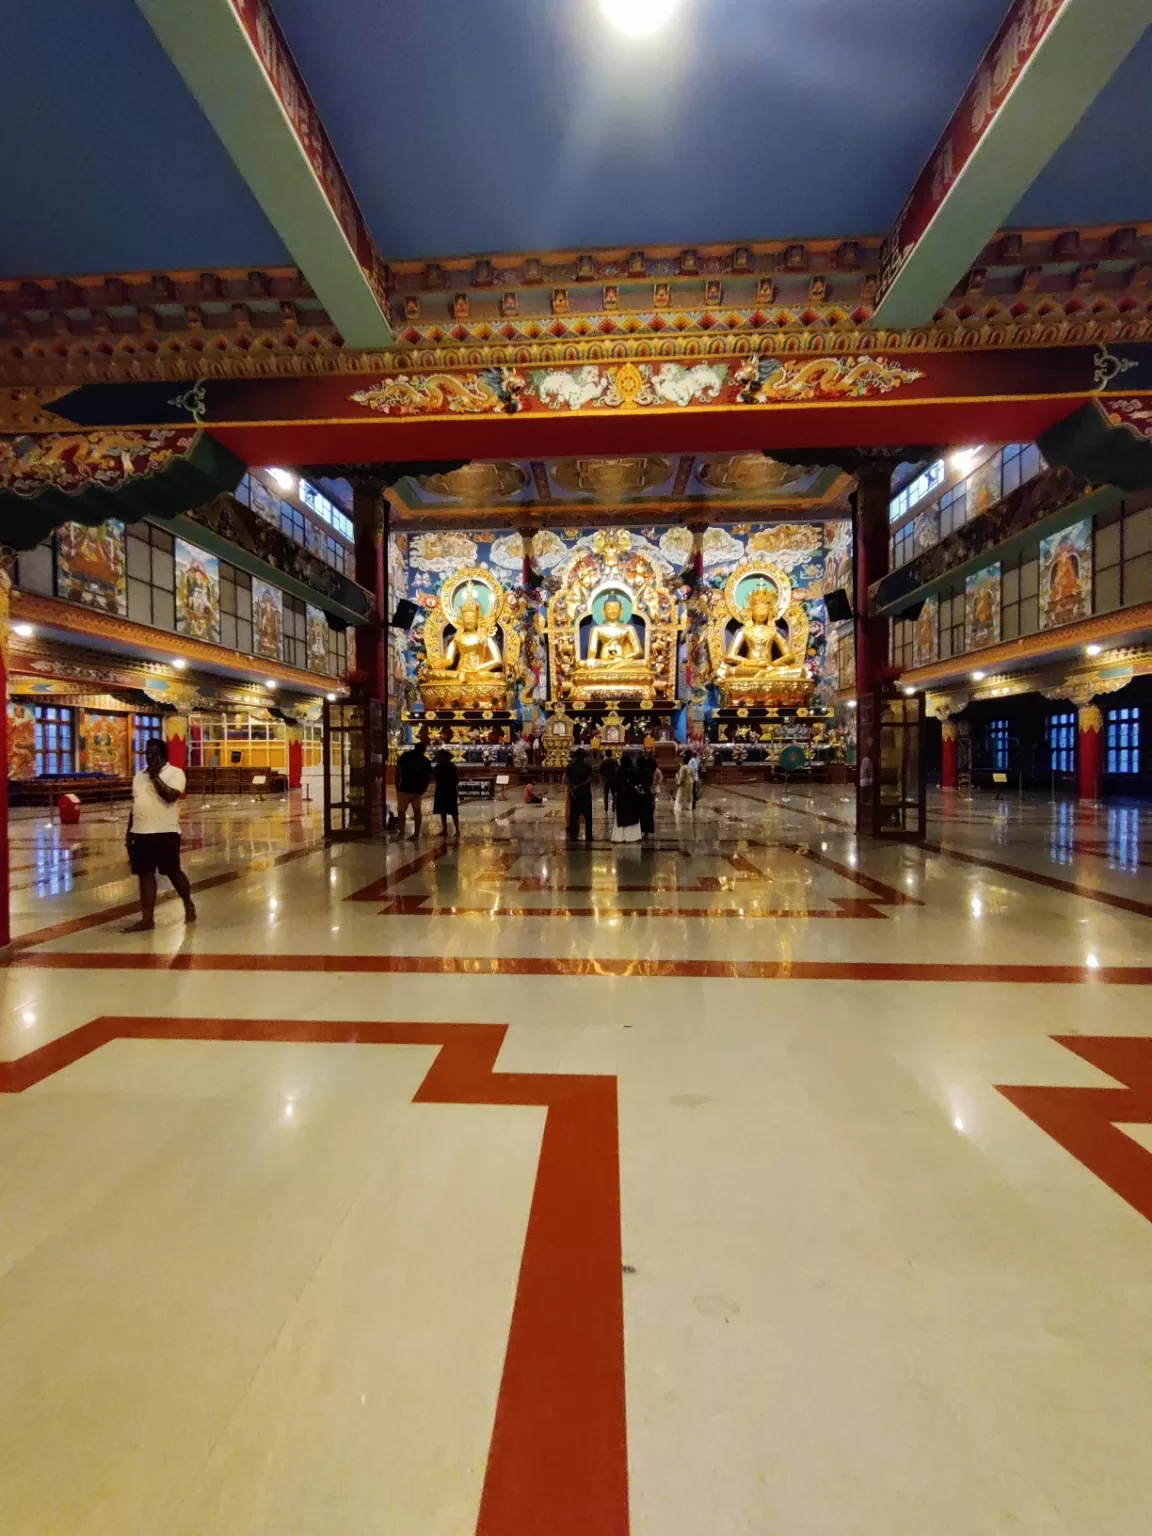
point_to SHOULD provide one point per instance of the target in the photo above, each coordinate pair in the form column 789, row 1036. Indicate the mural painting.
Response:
column 21, row 741
column 103, row 740
column 1066, row 575
column 984, row 486
column 267, row 619
column 197, row 593
column 317, row 637
column 926, row 633
column 90, row 566
column 982, row 608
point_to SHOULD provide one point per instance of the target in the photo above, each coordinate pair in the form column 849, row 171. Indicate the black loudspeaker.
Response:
column 836, row 606
column 406, row 611
column 913, row 611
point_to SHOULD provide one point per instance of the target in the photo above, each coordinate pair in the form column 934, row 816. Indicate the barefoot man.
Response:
column 154, row 832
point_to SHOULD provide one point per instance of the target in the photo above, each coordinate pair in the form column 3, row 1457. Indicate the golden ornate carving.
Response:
column 758, row 638
column 471, row 643
column 613, row 626
column 1089, row 718
column 26, row 410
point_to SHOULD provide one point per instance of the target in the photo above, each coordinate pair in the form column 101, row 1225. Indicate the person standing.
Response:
column 685, row 785
column 626, row 825
column 694, row 765
column 578, row 777
column 646, row 771
column 413, row 775
column 446, row 800
column 154, row 833
column 609, row 767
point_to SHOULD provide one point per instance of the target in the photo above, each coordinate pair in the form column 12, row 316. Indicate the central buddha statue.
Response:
column 757, row 643
column 612, row 643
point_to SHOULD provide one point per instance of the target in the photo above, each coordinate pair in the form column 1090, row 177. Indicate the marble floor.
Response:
column 760, row 1182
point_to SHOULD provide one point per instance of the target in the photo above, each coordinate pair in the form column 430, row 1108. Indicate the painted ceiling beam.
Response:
column 234, row 59
column 1046, row 65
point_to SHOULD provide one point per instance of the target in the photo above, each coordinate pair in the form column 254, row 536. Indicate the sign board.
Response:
column 503, row 778
column 999, row 778
column 477, row 789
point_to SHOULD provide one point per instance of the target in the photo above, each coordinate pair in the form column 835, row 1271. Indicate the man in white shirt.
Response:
column 694, row 769
column 154, row 833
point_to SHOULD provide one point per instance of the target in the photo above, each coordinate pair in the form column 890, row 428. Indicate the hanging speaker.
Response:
column 836, row 606
column 406, row 611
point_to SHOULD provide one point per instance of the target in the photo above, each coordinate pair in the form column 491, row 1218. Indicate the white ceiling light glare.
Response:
column 25, row 631
column 1093, row 650
column 638, row 18
column 284, row 478
column 964, row 459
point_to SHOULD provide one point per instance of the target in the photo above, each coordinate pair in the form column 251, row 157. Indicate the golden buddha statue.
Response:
column 758, row 639
column 756, row 644
column 611, row 643
column 471, row 647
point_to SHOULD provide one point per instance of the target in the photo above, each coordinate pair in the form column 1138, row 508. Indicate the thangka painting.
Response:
column 21, row 740
column 90, row 566
column 317, row 640
column 984, row 486
column 197, row 593
column 103, row 743
column 925, row 634
column 1066, row 575
column 982, row 608
column 267, row 619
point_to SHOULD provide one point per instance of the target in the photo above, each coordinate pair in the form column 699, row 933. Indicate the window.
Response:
column 267, row 503
column 1123, row 741
column 954, row 509
column 144, row 728
column 295, row 640
column 337, row 652
column 1020, row 462
column 1062, row 742
column 998, row 745
column 35, row 569
column 316, row 502
column 235, row 608
column 151, row 565
column 902, row 544
column 914, row 491
column 54, row 745
column 1020, row 595
column 902, row 632
column 951, row 622
column 238, row 740
column 1123, row 559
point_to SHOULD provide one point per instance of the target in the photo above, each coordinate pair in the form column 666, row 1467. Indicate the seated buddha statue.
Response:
column 469, row 652
column 756, row 645
column 612, row 643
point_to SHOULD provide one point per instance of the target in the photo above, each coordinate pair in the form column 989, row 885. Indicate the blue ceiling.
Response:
column 469, row 126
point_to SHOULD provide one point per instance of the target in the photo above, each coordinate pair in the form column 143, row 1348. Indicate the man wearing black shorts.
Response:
column 154, row 833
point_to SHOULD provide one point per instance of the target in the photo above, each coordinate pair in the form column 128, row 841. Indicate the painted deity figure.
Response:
column 757, row 644
column 470, row 652
column 613, row 643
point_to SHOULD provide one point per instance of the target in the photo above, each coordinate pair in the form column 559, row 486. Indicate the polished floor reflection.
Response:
column 756, row 1180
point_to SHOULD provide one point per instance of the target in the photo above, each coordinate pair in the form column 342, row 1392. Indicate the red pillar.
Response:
column 870, row 532
column 1090, row 756
column 176, row 736
column 948, row 774
column 295, row 758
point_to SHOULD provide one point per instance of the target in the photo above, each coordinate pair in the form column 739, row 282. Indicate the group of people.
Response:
column 630, row 786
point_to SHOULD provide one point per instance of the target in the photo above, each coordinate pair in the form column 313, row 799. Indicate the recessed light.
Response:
column 284, row 479
column 270, row 683
column 179, row 663
column 331, row 698
column 24, row 630
column 909, row 691
column 978, row 677
column 851, row 703
column 638, row 18
column 1093, row 650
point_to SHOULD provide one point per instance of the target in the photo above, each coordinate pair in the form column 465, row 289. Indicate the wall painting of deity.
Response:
column 197, row 593
column 267, row 619
column 317, row 640
column 925, row 634
column 984, row 486
column 21, row 740
column 1066, row 575
column 846, row 662
column 90, row 566
column 982, row 608
column 103, row 743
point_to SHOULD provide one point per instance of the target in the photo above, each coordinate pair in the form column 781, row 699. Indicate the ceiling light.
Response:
column 909, row 691
column 638, row 18
column 270, row 683
column 978, row 677
column 1093, row 650
column 961, row 461
column 284, row 479
column 24, row 630
column 851, row 703
column 179, row 663
column 331, row 698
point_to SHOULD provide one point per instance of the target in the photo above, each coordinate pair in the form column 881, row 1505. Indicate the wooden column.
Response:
column 871, row 545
